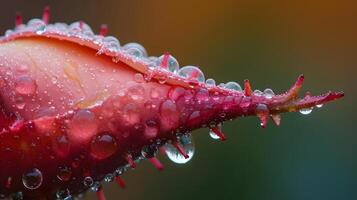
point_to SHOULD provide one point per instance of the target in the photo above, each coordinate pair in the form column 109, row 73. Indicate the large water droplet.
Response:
column 192, row 73
column 233, row 86
column 172, row 64
column 268, row 93
column 305, row 111
column 135, row 50
column 175, row 156
column 83, row 125
column 32, row 179
column 103, row 146
column 37, row 25
column 25, row 85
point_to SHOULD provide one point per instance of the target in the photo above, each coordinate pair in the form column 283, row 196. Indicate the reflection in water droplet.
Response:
column 175, row 156
column 213, row 134
column 305, row 111
column 32, row 179
column 172, row 64
column 319, row 105
column 25, row 85
column 103, row 146
column 192, row 73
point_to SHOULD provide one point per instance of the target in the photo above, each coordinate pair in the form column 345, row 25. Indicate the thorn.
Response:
column 263, row 119
column 18, row 19
column 156, row 163
column 103, row 30
column 219, row 133
column 294, row 90
column 247, row 88
column 81, row 24
column 180, row 149
column 130, row 160
column 120, row 182
column 100, row 194
column 165, row 60
column 276, row 119
column 163, row 150
column 46, row 15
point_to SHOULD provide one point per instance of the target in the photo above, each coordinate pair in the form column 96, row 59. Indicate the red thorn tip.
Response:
column 276, row 119
column 247, row 88
column 181, row 150
column 100, row 194
column 156, row 163
column 131, row 162
column 46, row 15
column 219, row 133
column 18, row 19
column 120, row 182
column 263, row 120
column 103, row 30
column 165, row 60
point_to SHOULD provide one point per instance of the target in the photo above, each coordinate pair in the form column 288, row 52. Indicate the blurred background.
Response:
column 269, row 42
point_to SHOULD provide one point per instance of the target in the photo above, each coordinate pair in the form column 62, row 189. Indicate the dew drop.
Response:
column 103, row 146
column 96, row 186
column 111, row 43
column 83, row 125
column 88, row 181
column 63, row 195
column 175, row 156
column 305, row 111
column 109, row 178
column 213, row 135
column 135, row 50
column 172, row 63
column 258, row 93
column 37, row 25
column 211, row 82
column 32, row 179
column 192, row 73
column 139, row 78
column 319, row 105
column 25, row 85
column 268, row 93
column 233, row 86
column 64, row 173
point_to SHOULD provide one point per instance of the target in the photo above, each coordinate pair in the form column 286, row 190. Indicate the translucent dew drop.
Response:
column 111, row 43
column 258, row 93
column 81, row 27
column 211, row 82
column 319, row 105
column 109, row 178
column 37, row 25
column 305, row 111
column 135, row 50
column 32, row 179
column 172, row 64
column 103, row 146
column 88, row 181
column 25, row 85
column 268, row 93
column 213, row 135
column 175, row 156
column 63, row 195
column 233, row 86
column 192, row 73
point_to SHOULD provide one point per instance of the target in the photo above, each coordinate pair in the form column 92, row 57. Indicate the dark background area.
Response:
column 269, row 42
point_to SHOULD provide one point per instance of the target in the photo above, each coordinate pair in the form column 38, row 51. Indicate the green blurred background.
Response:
column 269, row 42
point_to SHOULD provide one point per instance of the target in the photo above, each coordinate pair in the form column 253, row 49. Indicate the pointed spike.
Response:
column 294, row 90
column 81, row 24
column 180, row 149
column 276, row 119
column 219, row 133
column 46, row 15
column 100, row 194
column 247, row 88
column 165, row 60
column 156, row 163
column 103, row 30
column 263, row 119
column 163, row 150
column 120, row 182
column 18, row 19
column 130, row 160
